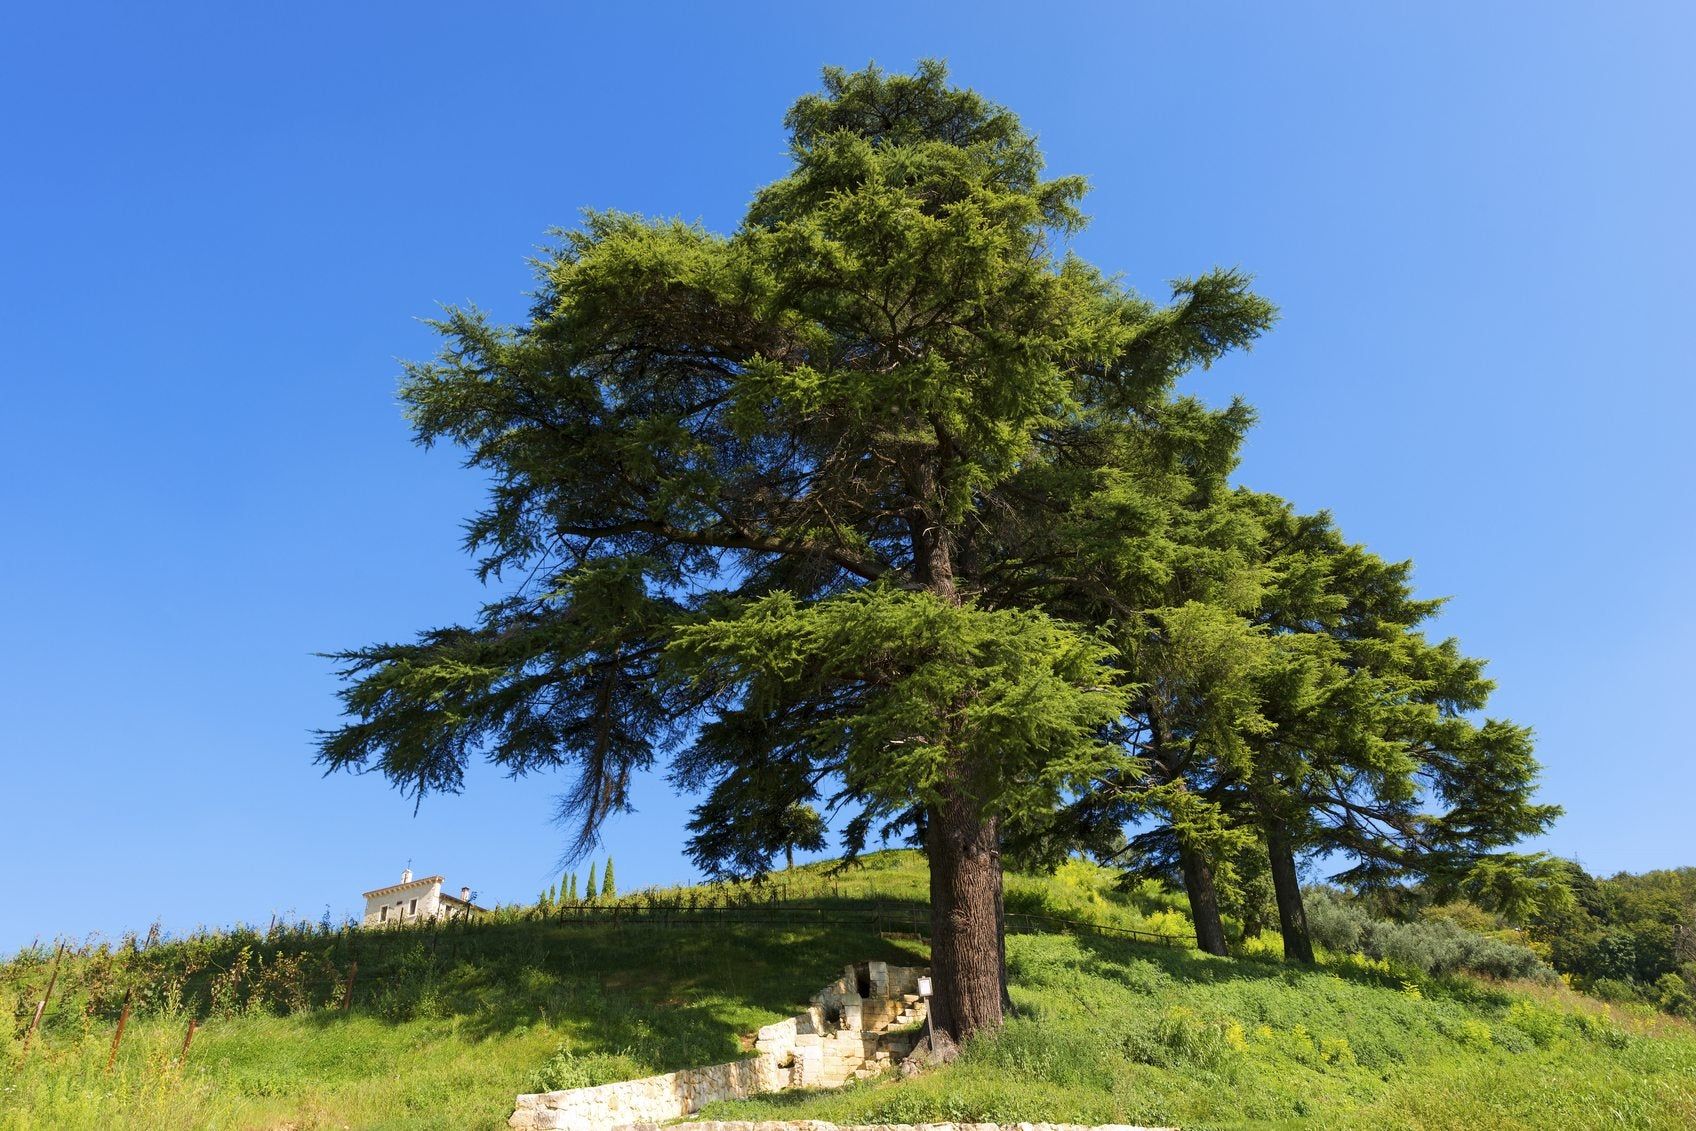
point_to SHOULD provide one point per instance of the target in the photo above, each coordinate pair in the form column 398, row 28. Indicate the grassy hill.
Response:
column 447, row 1025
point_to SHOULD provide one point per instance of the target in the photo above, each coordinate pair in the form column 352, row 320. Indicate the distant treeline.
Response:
column 1626, row 938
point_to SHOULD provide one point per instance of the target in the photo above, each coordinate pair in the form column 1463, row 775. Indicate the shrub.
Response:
column 565, row 1070
column 1333, row 923
column 1598, row 1029
column 1181, row 1037
column 1617, row 990
column 1543, row 1026
column 1435, row 946
column 1338, row 1051
column 1674, row 995
column 1262, row 948
column 1474, row 1034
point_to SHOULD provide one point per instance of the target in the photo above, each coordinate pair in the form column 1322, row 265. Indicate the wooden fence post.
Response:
column 192, row 1026
column 347, row 992
column 41, row 1006
column 123, row 1018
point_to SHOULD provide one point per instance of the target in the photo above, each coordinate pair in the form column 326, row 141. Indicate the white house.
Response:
column 413, row 899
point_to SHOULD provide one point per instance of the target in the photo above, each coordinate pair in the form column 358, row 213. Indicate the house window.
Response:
column 413, row 910
column 383, row 913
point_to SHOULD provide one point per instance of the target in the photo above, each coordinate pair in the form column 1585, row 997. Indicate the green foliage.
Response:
column 1520, row 886
column 889, row 489
column 591, row 891
column 1032, row 693
column 609, row 886
column 566, row 1069
column 1431, row 946
column 1114, row 1033
column 1289, row 704
column 1181, row 1038
column 1673, row 993
column 789, row 492
column 448, row 1025
column 1622, row 937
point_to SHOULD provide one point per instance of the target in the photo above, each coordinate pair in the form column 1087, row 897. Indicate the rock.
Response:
column 928, row 1053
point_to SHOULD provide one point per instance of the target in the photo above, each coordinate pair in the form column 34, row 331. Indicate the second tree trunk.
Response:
column 1292, row 916
column 1204, row 900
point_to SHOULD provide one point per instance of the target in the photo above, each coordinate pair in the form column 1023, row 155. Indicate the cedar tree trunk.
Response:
column 965, row 915
column 967, row 951
column 1204, row 901
column 1292, row 916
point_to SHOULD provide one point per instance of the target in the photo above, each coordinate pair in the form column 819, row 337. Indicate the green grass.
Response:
column 447, row 1027
column 449, row 1046
column 1113, row 1032
column 1077, row 890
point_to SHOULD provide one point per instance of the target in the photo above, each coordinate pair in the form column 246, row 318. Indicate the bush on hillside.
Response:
column 565, row 1070
column 1435, row 946
column 1674, row 995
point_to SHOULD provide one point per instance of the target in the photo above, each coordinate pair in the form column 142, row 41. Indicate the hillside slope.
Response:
column 1111, row 1032
column 446, row 1026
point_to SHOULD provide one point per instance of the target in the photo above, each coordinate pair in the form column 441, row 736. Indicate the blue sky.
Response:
column 220, row 225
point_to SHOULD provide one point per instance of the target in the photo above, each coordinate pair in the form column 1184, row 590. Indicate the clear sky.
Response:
column 220, row 224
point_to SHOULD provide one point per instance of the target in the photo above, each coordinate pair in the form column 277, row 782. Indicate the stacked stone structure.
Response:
column 859, row 1025
column 862, row 1023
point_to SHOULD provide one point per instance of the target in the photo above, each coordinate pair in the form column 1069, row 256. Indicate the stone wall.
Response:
column 654, row 1099
column 859, row 1025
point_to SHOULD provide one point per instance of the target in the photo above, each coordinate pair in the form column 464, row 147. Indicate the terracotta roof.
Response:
column 425, row 881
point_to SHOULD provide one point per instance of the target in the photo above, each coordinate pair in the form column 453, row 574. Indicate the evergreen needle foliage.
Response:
column 889, row 503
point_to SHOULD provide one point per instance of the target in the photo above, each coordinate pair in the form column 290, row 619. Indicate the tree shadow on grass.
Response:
column 1195, row 967
column 667, row 997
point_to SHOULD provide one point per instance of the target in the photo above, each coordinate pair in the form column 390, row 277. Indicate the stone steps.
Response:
column 844, row 1035
column 908, row 1017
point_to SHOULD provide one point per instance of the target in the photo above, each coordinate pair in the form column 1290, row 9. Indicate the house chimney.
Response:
column 465, row 894
column 406, row 876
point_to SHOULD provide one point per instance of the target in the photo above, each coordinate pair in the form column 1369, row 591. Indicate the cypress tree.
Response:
column 589, row 888
column 609, row 889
